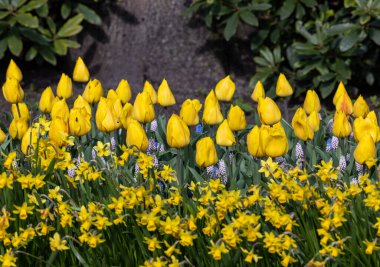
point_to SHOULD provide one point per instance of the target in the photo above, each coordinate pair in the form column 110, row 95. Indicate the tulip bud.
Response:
column 29, row 141
column 205, row 154
column 269, row 113
column 112, row 95
column 273, row 140
column 311, row 102
column 344, row 104
column 225, row 89
column 80, row 103
column 339, row 92
column 47, row 100
column 283, row 87
column 126, row 115
column 18, row 128
column 64, row 87
column 59, row 129
column 93, row 91
column 189, row 111
column 165, row 96
column 24, row 111
column 143, row 109
column 60, row 110
column 314, row 121
column 177, row 132
column 150, row 90
column 124, row 91
column 2, row 136
column 253, row 143
column 236, row 118
column 367, row 125
column 224, row 135
column 361, row 108
column 258, row 92
column 365, row 152
column 136, row 136
column 300, row 126
column 341, row 127
column 81, row 73
column 105, row 117
column 79, row 121
column 14, row 71
column 12, row 91
column 212, row 114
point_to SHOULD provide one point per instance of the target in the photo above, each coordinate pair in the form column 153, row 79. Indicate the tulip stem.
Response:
column 18, row 110
column 179, row 169
column 285, row 103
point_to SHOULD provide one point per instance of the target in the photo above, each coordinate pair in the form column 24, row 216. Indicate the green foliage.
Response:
column 315, row 43
column 42, row 28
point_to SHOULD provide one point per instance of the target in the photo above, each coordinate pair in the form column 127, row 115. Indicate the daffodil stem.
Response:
column 18, row 110
column 179, row 169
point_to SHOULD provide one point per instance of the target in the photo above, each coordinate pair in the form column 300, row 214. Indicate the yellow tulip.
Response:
column 344, row 104
column 79, row 121
column 29, row 141
column 105, row 117
column 283, row 87
column 126, row 115
column 60, row 110
column 236, row 118
column 47, row 100
column 111, row 94
column 258, row 92
column 341, row 127
column 189, row 111
column 80, row 103
column 93, row 91
column 300, row 125
column 314, row 121
column 136, row 136
column 269, row 113
column 224, row 135
column 177, row 132
column 143, row 109
column 361, row 108
column 339, row 92
column 273, row 140
column 253, row 143
column 14, row 71
column 2, row 136
column 12, row 91
column 18, row 128
column 64, row 87
column 24, row 111
column 165, row 96
column 365, row 152
column 205, row 154
column 59, row 129
column 150, row 90
column 225, row 89
column 124, row 91
column 311, row 102
column 367, row 125
column 81, row 73
column 211, row 113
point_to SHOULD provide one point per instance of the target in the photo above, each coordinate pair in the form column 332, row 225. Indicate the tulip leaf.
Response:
column 71, row 27
column 249, row 18
column 196, row 175
column 89, row 14
column 231, row 26
column 14, row 44
column 27, row 20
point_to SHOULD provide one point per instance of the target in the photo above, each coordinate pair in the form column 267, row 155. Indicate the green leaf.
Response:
column 259, row 7
column 374, row 34
column 48, row 55
column 34, row 4
column 43, row 11
column 341, row 28
column 231, row 26
column 196, row 175
column 89, row 14
column 14, row 44
column 34, row 36
column 287, row 9
column 27, row 20
column 77, row 255
column 3, row 47
column 71, row 27
column 51, row 25
column 65, row 10
column 31, row 54
column 309, row 3
column 4, row 14
column 249, row 18
column 60, row 47
column 70, row 43
column 349, row 41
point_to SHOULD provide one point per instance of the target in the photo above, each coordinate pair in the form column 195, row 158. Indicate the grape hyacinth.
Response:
column 153, row 126
column 299, row 151
column 342, row 163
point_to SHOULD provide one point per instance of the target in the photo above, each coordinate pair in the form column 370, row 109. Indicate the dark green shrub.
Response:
column 315, row 43
column 42, row 28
